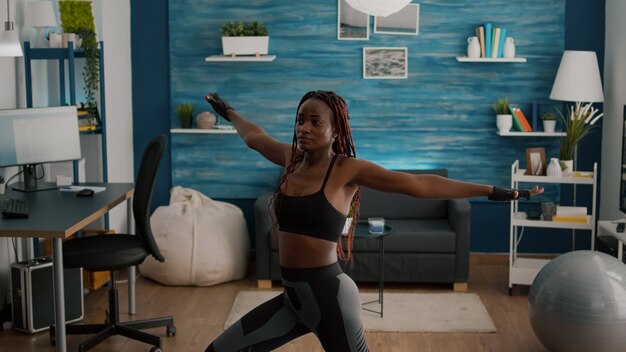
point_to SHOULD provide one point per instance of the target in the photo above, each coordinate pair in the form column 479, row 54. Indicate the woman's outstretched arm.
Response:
column 254, row 136
column 371, row 175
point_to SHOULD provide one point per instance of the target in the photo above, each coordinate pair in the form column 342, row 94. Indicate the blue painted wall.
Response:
column 441, row 115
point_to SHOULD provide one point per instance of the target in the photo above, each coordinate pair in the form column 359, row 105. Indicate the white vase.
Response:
column 569, row 167
column 2, row 186
column 549, row 125
column 473, row 47
column 504, row 123
column 554, row 168
column 205, row 120
column 509, row 48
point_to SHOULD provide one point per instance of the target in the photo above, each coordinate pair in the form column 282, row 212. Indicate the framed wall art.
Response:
column 403, row 22
column 385, row 63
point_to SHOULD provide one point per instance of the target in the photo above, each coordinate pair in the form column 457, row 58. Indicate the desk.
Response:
column 57, row 215
column 608, row 227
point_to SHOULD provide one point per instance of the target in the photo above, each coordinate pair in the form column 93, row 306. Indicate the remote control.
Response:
column 620, row 227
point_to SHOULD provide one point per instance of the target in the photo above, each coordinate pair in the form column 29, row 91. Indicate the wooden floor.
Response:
column 199, row 314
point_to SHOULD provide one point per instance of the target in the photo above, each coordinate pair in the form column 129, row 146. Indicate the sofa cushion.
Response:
column 417, row 236
column 400, row 206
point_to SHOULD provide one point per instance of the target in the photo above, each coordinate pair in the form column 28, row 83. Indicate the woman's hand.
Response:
column 220, row 105
column 505, row 194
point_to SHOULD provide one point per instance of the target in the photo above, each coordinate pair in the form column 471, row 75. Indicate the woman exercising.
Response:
column 318, row 191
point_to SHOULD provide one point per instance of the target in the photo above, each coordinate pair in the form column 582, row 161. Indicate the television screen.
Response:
column 622, row 198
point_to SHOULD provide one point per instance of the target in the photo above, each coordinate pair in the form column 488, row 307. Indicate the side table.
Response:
column 361, row 231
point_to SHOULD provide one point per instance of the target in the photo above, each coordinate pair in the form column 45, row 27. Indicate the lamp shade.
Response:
column 578, row 78
column 10, row 44
column 39, row 14
column 381, row 8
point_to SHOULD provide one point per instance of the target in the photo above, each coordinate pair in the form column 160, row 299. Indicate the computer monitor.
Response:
column 38, row 135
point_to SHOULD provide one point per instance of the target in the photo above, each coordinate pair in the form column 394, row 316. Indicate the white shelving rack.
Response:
column 523, row 270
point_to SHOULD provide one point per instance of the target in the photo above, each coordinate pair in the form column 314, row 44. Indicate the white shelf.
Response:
column 524, row 270
column 531, row 134
column 489, row 59
column 205, row 131
column 519, row 219
column 520, row 177
column 224, row 58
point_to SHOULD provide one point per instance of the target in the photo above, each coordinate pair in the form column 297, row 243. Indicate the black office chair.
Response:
column 120, row 251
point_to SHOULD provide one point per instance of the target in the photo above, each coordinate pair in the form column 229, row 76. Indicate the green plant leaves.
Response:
column 243, row 29
column 77, row 17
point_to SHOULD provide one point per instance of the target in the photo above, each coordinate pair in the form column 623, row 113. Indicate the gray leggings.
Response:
column 321, row 300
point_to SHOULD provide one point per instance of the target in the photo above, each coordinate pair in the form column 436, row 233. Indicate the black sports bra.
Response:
column 312, row 215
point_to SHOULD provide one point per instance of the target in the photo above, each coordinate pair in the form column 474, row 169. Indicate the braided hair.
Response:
column 342, row 145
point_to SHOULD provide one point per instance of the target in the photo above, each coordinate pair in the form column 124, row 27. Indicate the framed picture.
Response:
column 351, row 24
column 536, row 161
column 385, row 63
column 405, row 21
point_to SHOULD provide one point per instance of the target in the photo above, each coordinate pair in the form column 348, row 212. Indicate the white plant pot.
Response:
column 2, row 187
column 569, row 167
column 245, row 45
column 549, row 125
column 504, row 123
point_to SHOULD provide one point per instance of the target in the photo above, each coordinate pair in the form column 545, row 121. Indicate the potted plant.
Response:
column 244, row 38
column 184, row 111
column 581, row 119
column 504, row 119
column 77, row 17
column 549, row 121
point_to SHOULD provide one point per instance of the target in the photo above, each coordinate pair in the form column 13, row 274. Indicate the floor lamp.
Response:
column 578, row 80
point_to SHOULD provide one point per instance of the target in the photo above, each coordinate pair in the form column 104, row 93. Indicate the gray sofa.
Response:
column 429, row 242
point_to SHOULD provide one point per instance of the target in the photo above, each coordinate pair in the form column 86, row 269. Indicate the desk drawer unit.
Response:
column 32, row 294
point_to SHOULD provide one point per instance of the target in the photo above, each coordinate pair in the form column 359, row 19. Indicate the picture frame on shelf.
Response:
column 385, row 63
column 351, row 24
column 403, row 22
column 536, row 162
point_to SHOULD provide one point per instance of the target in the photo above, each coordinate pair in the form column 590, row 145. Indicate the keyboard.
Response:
column 14, row 208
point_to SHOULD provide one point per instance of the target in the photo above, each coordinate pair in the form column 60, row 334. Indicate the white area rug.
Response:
column 404, row 312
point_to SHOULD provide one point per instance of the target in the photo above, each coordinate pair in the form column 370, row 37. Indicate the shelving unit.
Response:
column 490, row 59
column 69, row 55
column 223, row 58
column 523, row 270
column 531, row 134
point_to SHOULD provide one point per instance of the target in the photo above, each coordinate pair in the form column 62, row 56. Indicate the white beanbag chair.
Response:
column 204, row 242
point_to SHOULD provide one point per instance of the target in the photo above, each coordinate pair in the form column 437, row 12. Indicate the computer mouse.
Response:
column 85, row 193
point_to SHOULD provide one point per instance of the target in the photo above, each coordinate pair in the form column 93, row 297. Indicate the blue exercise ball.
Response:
column 577, row 302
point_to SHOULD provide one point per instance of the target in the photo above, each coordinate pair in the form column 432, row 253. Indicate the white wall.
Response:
column 614, row 100
column 113, row 27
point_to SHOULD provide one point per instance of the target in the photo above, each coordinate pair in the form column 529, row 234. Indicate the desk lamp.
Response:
column 9, row 39
column 39, row 14
column 381, row 8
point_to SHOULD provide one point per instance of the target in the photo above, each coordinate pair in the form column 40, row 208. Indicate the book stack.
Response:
column 571, row 214
column 88, row 119
column 519, row 119
column 491, row 40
